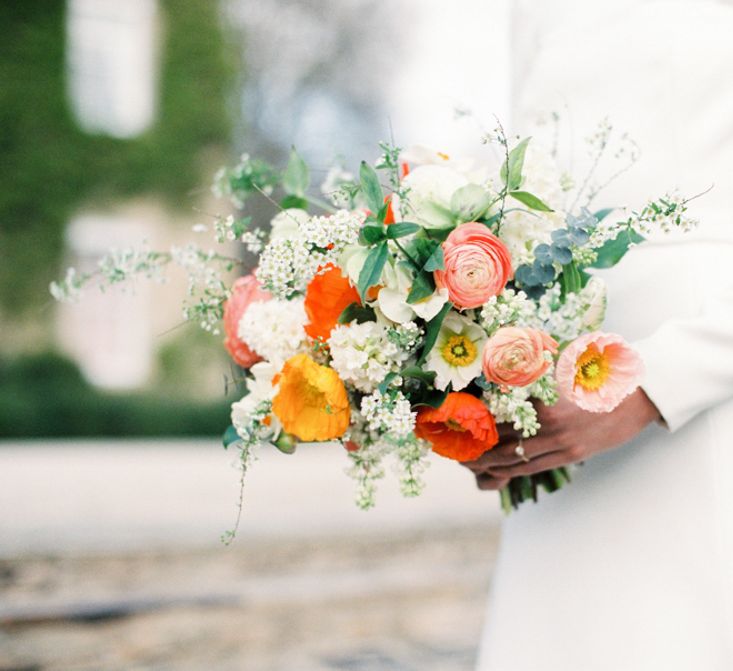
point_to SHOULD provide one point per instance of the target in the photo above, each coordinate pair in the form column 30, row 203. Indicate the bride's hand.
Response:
column 568, row 435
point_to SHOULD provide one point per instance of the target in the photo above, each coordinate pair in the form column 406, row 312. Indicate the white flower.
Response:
column 392, row 298
column 508, row 308
column 388, row 413
column 333, row 186
column 429, row 189
column 456, row 355
column 284, row 267
column 515, row 408
column 351, row 260
column 274, row 329
column 363, row 354
column 335, row 232
column 418, row 155
column 522, row 231
column 249, row 414
column 286, row 224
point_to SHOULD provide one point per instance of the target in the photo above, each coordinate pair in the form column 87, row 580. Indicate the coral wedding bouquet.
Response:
column 425, row 301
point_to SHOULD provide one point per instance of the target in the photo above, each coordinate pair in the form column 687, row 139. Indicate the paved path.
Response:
column 106, row 496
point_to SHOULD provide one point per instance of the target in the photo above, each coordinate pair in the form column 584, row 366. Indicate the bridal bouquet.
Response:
column 423, row 302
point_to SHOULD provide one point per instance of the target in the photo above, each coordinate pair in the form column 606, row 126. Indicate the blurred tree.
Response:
column 49, row 166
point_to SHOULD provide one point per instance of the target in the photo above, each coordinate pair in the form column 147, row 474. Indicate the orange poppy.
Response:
column 311, row 402
column 326, row 297
column 462, row 428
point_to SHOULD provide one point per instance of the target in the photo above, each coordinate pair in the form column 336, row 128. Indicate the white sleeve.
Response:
column 689, row 362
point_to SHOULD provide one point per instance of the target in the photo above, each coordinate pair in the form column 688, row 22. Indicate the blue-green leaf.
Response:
column 371, row 188
column 371, row 272
column 230, row 437
column 296, row 176
column 531, row 201
column 560, row 254
column 432, row 330
column 602, row 214
column 436, row 260
column 384, row 384
column 371, row 234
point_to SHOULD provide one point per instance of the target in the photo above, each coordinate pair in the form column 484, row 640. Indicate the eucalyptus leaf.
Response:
column 560, row 254
column 296, row 176
column 578, row 236
column 525, row 276
column 531, row 201
column 543, row 272
column 561, row 238
column 371, row 272
column 511, row 171
column 431, row 331
column 543, row 253
column 371, row 188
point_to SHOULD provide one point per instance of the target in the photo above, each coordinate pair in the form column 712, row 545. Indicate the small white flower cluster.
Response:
column 389, row 414
column 254, row 240
column 665, row 214
column 508, row 308
column 366, row 469
column 545, row 389
column 284, row 267
column 578, row 313
column 336, row 186
column 274, row 329
column 68, row 290
column 363, row 354
column 513, row 407
column 332, row 233
column 408, row 336
column 249, row 421
column 412, row 461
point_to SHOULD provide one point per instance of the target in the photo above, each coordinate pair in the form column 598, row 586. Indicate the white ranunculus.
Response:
column 429, row 192
column 286, row 224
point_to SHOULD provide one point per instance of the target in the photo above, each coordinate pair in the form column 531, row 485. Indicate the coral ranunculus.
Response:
column 311, row 402
column 598, row 370
column 516, row 357
column 245, row 291
column 462, row 428
column 477, row 265
column 326, row 297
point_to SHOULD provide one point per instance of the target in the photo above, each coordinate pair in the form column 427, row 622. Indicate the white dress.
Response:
column 630, row 567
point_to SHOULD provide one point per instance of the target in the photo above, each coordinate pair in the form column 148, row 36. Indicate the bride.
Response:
column 630, row 568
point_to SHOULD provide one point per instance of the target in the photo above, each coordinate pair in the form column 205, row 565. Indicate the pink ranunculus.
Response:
column 598, row 370
column 477, row 265
column 516, row 356
column 245, row 291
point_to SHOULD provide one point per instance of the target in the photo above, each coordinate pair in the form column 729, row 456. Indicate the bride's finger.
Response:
column 542, row 463
column 486, row 482
column 505, row 454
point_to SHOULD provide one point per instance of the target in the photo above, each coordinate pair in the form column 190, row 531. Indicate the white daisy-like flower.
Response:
column 363, row 354
column 275, row 329
column 456, row 355
column 392, row 298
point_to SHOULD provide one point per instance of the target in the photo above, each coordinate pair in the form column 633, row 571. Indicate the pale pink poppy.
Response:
column 516, row 357
column 598, row 370
column 477, row 265
column 245, row 291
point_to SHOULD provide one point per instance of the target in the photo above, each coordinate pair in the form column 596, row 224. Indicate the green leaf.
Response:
column 294, row 201
column 470, row 202
column 384, row 384
column 432, row 330
column 356, row 312
column 371, row 234
column 382, row 214
column 427, row 376
column 371, row 272
column 296, row 176
column 511, row 171
column 531, row 201
column 433, row 399
column 401, row 229
column 611, row 252
column 436, row 260
column 230, row 437
column 602, row 214
column 570, row 280
column 371, row 187
column 422, row 286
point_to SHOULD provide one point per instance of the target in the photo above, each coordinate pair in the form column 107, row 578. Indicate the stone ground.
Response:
column 413, row 603
column 110, row 560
